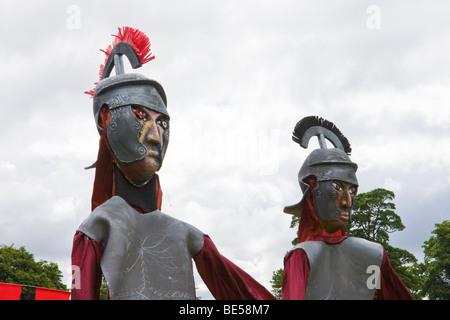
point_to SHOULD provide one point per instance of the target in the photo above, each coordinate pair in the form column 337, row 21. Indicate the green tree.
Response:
column 436, row 264
column 374, row 218
column 18, row 266
column 277, row 282
column 103, row 290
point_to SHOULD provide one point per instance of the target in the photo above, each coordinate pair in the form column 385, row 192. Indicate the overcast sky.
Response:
column 238, row 76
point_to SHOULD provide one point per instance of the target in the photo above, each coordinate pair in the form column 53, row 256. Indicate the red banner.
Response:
column 9, row 291
column 51, row 294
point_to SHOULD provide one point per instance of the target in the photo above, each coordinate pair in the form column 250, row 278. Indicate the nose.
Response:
column 150, row 133
column 154, row 135
column 345, row 199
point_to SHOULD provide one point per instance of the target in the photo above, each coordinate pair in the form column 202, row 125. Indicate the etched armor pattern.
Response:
column 339, row 271
column 146, row 256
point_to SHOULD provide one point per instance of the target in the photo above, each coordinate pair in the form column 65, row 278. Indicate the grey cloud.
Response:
column 231, row 71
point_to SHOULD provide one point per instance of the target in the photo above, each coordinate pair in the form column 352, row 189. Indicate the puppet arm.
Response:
column 86, row 256
column 391, row 286
column 295, row 277
column 224, row 279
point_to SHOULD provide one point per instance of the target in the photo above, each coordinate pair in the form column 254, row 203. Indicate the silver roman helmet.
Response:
column 123, row 91
column 325, row 164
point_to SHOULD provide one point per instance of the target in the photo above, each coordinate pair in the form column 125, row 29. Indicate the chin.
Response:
column 140, row 183
column 333, row 226
column 140, row 172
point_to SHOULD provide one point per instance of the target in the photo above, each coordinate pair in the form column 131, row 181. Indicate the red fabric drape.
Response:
column 309, row 228
column 296, row 274
column 392, row 287
column 104, row 170
column 225, row 280
column 86, row 257
column 158, row 192
column 104, row 175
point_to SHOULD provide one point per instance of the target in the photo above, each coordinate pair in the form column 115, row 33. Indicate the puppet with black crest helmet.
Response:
column 325, row 164
column 326, row 263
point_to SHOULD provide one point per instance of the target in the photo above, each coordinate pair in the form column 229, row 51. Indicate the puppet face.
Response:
column 154, row 135
column 333, row 201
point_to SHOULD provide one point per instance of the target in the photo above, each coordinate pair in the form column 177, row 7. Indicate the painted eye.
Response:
column 140, row 113
column 337, row 186
column 164, row 123
column 352, row 191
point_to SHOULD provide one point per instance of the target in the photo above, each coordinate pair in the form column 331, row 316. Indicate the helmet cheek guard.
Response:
column 325, row 202
column 125, row 127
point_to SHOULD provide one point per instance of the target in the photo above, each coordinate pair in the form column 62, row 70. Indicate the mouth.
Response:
column 154, row 152
column 345, row 216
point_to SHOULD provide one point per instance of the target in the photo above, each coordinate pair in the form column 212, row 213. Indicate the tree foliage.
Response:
column 277, row 282
column 18, row 266
column 436, row 264
column 373, row 216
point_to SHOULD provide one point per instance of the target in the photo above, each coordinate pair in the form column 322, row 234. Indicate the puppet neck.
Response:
column 144, row 198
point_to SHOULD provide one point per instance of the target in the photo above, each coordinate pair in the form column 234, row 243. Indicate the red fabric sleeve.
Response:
column 86, row 256
column 296, row 274
column 225, row 280
column 391, row 286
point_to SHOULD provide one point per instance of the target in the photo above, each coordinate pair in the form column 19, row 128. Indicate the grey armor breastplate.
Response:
column 340, row 271
column 145, row 256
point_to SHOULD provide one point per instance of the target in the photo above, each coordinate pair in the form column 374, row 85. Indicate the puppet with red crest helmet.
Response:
column 141, row 252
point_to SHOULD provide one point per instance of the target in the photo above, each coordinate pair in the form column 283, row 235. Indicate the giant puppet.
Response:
column 326, row 263
column 141, row 252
